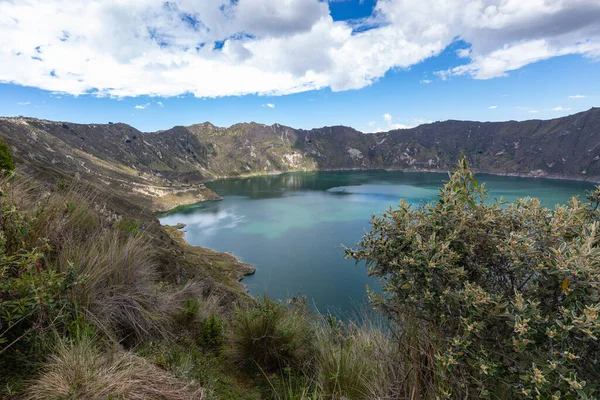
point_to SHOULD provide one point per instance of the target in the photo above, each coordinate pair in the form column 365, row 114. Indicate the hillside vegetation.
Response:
column 164, row 169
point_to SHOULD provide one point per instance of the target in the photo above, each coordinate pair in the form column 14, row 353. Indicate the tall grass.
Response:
column 82, row 370
column 118, row 277
column 270, row 335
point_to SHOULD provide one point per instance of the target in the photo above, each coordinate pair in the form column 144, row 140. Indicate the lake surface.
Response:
column 291, row 227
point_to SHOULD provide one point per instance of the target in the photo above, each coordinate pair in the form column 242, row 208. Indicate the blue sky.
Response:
column 385, row 72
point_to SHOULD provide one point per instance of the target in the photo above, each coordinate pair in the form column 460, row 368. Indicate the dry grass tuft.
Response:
column 118, row 278
column 81, row 371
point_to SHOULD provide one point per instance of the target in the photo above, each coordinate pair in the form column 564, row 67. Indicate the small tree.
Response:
column 6, row 160
column 513, row 290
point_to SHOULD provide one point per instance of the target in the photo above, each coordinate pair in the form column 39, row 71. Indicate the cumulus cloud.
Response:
column 142, row 106
column 493, row 107
column 426, row 81
column 23, row 103
column 273, row 47
column 577, row 96
column 270, row 105
column 160, row 103
column 561, row 108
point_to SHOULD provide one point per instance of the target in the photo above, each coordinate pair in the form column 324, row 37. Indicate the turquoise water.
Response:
column 291, row 227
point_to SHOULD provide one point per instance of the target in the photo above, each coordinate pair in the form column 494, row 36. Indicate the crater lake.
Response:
column 292, row 227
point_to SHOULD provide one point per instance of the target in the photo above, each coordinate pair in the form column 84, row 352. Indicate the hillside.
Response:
column 161, row 170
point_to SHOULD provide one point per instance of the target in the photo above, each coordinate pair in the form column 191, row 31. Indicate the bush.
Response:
column 270, row 335
column 34, row 297
column 6, row 159
column 212, row 333
column 512, row 289
column 81, row 370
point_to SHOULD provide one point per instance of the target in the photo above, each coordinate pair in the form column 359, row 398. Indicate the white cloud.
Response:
column 270, row 105
column 160, row 103
column 142, row 106
column 493, row 107
column 374, row 127
column 577, row 96
column 426, row 81
column 23, row 103
column 561, row 108
column 273, row 47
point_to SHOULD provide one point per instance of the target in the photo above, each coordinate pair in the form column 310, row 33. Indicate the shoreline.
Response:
column 248, row 272
column 408, row 171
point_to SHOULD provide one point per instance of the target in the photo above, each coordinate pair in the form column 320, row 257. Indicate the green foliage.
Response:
column 6, row 159
column 288, row 386
column 189, row 312
column 212, row 332
column 513, row 290
column 130, row 226
column 33, row 296
column 63, row 185
column 187, row 362
column 271, row 335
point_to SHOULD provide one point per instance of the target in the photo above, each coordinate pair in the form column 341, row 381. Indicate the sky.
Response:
column 371, row 64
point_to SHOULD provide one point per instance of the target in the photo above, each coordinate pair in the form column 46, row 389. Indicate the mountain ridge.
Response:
column 166, row 168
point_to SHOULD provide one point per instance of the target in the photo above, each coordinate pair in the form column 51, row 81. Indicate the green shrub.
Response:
column 270, row 335
column 130, row 226
column 189, row 312
column 512, row 289
column 212, row 332
column 6, row 159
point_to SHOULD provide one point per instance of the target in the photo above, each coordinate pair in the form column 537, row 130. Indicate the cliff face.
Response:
column 163, row 169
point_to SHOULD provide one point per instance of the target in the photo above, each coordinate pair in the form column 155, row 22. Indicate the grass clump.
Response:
column 271, row 335
column 81, row 369
column 118, row 286
column 354, row 361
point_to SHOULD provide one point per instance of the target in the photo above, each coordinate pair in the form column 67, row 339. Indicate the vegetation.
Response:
column 480, row 299
column 6, row 160
column 270, row 335
column 512, row 290
column 80, row 370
